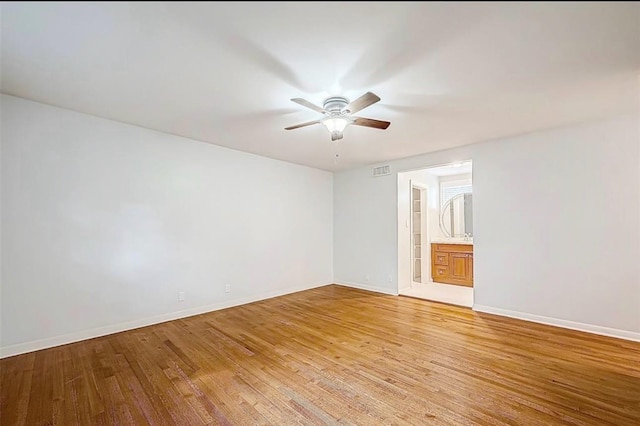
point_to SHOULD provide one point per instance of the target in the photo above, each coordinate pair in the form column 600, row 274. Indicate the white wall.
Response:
column 556, row 225
column 104, row 223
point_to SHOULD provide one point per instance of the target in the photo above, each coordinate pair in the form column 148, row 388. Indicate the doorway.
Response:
column 435, row 233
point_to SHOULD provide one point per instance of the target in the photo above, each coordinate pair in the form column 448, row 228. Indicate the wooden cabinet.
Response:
column 452, row 264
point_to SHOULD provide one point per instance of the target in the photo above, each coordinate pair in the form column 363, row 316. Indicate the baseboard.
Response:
column 367, row 287
column 51, row 342
column 572, row 325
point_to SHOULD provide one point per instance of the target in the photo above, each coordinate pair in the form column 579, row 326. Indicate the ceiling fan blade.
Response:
column 297, row 126
column 370, row 122
column 362, row 102
column 308, row 104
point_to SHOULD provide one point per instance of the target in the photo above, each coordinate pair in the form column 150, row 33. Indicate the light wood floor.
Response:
column 325, row 356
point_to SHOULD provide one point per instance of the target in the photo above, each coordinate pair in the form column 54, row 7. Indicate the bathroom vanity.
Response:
column 452, row 263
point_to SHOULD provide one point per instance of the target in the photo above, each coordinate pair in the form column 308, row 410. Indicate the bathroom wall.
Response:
column 434, row 205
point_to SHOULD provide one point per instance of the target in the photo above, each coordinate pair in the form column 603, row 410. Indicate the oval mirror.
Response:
column 456, row 218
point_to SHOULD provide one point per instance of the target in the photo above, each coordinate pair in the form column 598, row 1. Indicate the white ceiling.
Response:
column 449, row 74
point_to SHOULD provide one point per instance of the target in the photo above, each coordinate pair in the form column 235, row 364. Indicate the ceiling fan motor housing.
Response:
column 336, row 105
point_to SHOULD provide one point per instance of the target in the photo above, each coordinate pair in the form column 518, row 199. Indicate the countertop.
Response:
column 452, row 241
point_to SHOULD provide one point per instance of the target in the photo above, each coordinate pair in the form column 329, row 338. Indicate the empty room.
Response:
column 283, row 213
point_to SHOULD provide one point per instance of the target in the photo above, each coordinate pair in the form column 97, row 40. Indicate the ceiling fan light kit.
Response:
column 337, row 112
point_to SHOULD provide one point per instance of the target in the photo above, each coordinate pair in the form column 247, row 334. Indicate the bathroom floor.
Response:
column 446, row 293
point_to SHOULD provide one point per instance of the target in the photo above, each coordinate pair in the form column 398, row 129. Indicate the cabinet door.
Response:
column 459, row 266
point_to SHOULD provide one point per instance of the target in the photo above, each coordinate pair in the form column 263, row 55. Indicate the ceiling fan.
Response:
column 337, row 112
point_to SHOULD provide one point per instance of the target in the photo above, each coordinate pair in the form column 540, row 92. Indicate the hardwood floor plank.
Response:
column 331, row 355
column 17, row 377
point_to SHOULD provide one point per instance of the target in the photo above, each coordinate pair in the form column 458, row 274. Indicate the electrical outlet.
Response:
column 181, row 296
column 227, row 288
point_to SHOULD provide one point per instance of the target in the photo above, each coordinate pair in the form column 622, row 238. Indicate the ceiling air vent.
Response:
column 381, row 171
